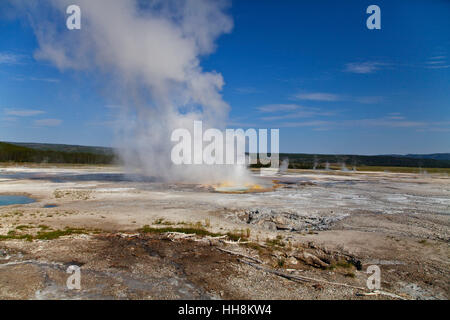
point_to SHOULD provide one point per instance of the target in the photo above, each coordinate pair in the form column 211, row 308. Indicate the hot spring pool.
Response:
column 6, row 200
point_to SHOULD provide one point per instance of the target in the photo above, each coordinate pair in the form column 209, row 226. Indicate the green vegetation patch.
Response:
column 41, row 235
column 14, row 236
column 188, row 230
column 343, row 264
column 278, row 241
column 193, row 229
column 50, row 235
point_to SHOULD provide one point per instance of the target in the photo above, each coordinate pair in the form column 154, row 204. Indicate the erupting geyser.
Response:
column 151, row 53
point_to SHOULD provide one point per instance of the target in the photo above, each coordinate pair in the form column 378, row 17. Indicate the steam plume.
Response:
column 150, row 51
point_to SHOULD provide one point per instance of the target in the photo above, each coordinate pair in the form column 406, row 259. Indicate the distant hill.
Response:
column 307, row 161
column 62, row 153
column 10, row 152
column 435, row 156
column 64, row 147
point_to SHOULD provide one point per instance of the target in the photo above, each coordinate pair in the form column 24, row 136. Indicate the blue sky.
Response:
column 310, row 68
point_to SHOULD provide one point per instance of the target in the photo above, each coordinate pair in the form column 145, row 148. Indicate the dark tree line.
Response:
column 309, row 161
column 17, row 153
column 14, row 153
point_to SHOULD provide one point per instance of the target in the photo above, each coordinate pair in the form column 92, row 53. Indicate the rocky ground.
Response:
column 312, row 237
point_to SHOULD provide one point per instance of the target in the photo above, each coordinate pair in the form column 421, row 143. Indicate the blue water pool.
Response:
column 50, row 206
column 6, row 200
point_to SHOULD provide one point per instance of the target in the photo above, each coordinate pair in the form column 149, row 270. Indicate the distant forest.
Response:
column 72, row 154
column 17, row 153
column 320, row 161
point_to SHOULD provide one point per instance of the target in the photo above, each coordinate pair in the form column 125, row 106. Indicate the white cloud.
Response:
column 23, row 112
column 438, row 57
column 10, row 58
column 290, row 111
column 363, row 67
column 8, row 119
column 114, row 106
column 436, row 129
column 247, row 90
column 437, row 62
column 318, row 96
column 385, row 122
column 22, row 78
column 445, row 66
column 296, row 124
column 392, row 121
column 270, row 108
column 331, row 97
column 396, row 117
column 47, row 122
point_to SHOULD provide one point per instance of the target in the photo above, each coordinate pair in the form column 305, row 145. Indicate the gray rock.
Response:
column 286, row 220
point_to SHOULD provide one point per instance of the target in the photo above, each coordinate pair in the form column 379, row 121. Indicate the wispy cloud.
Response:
column 105, row 123
column 114, row 106
column 22, row 78
column 331, row 97
column 10, row 58
column 242, row 124
column 318, row 96
column 438, row 57
column 437, row 62
column 44, row 79
column 395, row 116
column 23, row 112
column 319, row 124
column 8, row 119
column 47, row 122
column 290, row 111
column 364, row 67
column 247, row 90
column 392, row 121
column 439, row 67
column 401, row 123
column 436, row 129
column 386, row 122
column 269, row 108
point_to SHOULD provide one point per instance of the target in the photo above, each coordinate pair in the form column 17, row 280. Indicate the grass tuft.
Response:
column 275, row 242
column 196, row 229
column 51, row 235
column 42, row 235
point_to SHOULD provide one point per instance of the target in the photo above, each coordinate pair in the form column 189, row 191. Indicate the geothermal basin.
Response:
column 104, row 220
